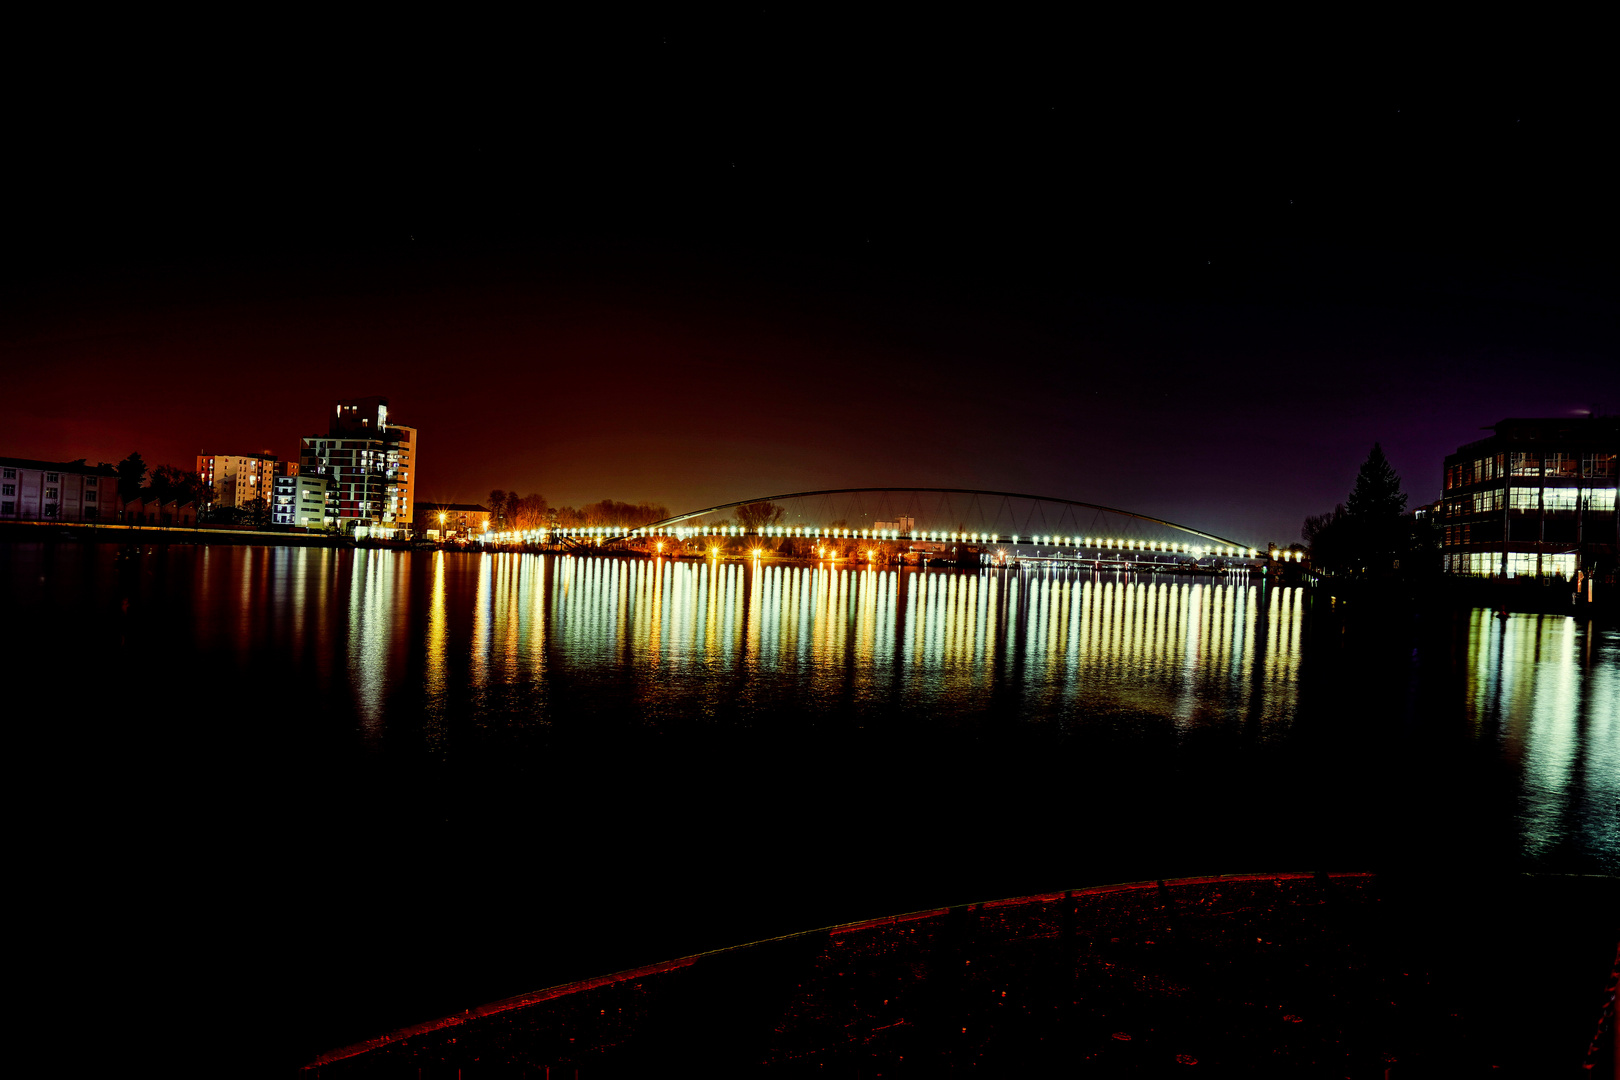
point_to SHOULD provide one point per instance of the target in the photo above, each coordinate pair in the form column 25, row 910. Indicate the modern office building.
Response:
column 299, row 501
column 57, row 491
column 369, row 465
column 238, row 479
column 1534, row 499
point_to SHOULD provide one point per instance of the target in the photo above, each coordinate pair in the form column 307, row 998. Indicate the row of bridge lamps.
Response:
column 810, row 532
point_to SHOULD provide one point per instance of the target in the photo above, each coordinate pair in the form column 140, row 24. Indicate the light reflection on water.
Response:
column 1188, row 649
column 423, row 648
column 1547, row 692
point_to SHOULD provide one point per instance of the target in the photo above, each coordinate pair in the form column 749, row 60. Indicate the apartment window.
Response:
column 50, row 493
column 1525, row 464
column 8, row 489
column 53, row 478
column 10, row 474
column 8, row 508
column 1593, row 464
column 89, row 512
column 1560, row 464
column 89, row 496
column 90, row 481
column 50, row 509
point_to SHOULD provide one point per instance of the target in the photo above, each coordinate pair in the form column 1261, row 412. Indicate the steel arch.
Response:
column 677, row 519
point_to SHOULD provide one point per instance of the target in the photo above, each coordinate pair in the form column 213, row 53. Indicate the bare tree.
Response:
column 756, row 515
column 529, row 513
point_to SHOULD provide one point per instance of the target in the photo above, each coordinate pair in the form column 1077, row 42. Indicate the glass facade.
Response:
column 1537, row 498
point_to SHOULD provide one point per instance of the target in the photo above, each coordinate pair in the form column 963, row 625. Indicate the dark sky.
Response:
column 1192, row 272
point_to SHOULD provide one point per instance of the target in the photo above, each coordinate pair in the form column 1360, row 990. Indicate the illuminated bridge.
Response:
column 950, row 524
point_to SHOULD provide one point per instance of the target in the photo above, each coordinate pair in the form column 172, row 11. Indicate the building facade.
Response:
column 150, row 509
column 1534, row 499
column 299, row 501
column 451, row 521
column 57, row 491
column 369, row 465
column 238, row 479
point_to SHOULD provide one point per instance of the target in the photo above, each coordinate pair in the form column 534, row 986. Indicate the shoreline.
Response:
column 1517, row 596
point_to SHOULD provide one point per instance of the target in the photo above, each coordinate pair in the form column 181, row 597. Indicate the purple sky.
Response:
column 691, row 265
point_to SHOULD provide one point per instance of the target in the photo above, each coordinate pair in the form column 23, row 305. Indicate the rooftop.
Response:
column 79, row 466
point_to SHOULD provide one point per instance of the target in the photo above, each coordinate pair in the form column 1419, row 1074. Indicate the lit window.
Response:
column 1560, row 498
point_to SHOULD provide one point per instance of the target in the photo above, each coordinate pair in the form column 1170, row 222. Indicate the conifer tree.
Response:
column 1374, row 511
column 1377, row 496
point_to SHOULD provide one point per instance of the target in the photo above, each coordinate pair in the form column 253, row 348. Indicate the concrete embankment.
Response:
column 77, row 533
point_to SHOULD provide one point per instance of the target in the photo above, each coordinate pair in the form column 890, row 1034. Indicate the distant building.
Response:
column 57, row 491
column 1534, row 499
column 905, row 526
column 451, row 520
column 150, row 509
column 299, row 501
column 238, row 479
column 369, row 466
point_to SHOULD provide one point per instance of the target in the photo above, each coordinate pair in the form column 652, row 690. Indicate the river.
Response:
column 409, row 783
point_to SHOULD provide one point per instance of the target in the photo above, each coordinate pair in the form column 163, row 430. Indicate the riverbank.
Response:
column 1527, row 596
column 52, row 532
column 1252, row 975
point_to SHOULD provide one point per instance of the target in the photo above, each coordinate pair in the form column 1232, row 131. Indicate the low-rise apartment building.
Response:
column 450, row 520
column 33, row 490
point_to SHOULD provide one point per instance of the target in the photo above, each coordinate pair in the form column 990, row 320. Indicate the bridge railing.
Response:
column 1040, row 546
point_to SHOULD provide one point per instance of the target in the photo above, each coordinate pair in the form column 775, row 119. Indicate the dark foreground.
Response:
column 1291, row 975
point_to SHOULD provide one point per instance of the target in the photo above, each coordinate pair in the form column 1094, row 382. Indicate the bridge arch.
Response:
column 990, row 536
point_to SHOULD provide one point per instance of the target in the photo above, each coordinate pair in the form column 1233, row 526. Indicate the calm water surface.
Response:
column 455, row 777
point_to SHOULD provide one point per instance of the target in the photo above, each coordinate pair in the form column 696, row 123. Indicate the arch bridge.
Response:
column 989, row 525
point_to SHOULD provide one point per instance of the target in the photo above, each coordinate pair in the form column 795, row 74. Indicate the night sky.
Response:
column 1193, row 272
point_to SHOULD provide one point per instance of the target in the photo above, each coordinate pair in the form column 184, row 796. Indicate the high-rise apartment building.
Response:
column 369, row 465
column 238, row 479
column 1535, row 499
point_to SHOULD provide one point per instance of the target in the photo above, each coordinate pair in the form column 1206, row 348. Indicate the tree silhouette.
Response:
column 756, row 515
column 131, row 474
column 1366, row 532
column 1377, row 495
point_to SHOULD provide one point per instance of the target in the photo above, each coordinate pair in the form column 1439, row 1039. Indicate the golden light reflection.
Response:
column 1533, row 688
